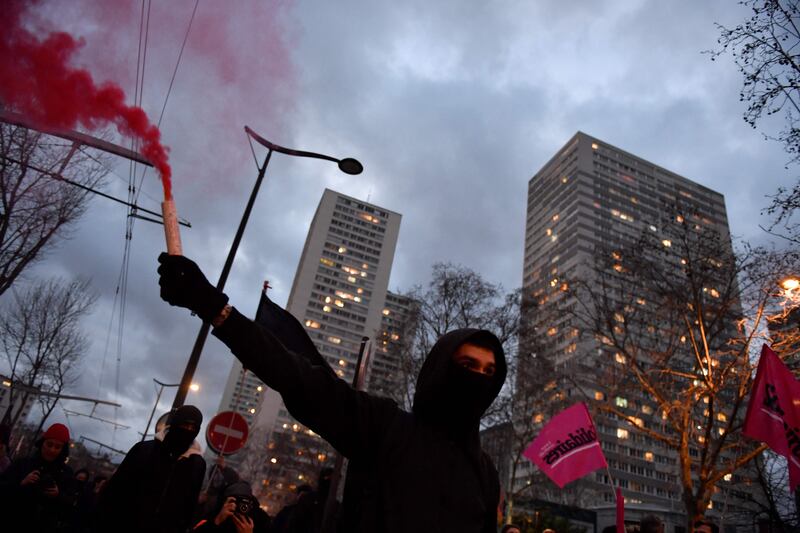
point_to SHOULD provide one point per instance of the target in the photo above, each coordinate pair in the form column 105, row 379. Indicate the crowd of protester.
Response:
column 160, row 486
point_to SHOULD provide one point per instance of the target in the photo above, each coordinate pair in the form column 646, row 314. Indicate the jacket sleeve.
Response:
column 351, row 421
column 116, row 493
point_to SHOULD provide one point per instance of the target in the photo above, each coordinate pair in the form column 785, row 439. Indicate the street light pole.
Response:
column 155, row 405
column 347, row 165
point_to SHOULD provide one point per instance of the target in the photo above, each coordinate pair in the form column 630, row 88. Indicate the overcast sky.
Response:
column 451, row 106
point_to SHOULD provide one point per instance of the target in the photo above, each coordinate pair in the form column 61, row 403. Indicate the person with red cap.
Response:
column 34, row 491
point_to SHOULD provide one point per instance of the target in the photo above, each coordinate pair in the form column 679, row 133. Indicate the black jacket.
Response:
column 413, row 473
column 151, row 491
column 27, row 509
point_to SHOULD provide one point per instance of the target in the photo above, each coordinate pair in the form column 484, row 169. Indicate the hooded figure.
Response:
column 156, row 486
column 417, row 471
column 35, row 491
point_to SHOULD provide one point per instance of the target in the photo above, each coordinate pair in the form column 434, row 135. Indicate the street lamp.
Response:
column 194, row 387
column 347, row 165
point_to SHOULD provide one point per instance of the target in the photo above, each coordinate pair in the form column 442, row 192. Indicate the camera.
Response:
column 244, row 505
column 46, row 481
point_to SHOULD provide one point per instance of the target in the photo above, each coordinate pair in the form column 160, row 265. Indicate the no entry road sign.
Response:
column 227, row 432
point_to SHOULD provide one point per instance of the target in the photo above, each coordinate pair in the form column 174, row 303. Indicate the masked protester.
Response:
column 35, row 492
column 417, row 471
column 155, row 488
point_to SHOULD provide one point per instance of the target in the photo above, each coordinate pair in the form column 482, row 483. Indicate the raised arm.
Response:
column 351, row 421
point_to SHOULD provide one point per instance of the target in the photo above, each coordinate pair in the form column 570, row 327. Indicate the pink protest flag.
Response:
column 567, row 447
column 773, row 412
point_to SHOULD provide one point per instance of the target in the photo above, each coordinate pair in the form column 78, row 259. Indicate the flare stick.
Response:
column 171, row 231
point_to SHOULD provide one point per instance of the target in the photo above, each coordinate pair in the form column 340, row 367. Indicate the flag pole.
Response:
column 620, row 501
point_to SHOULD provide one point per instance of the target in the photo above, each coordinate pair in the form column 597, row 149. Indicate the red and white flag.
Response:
column 567, row 447
column 773, row 412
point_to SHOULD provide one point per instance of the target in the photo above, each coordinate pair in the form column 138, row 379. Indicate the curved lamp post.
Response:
column 347, row 165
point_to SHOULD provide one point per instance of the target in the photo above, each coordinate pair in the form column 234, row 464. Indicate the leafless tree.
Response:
column 36, row 208
column 456, row 297
column 679, row 317
column 42, row 341
column 766, row 49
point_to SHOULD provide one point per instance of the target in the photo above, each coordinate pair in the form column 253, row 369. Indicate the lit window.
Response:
column 338, row 303
column 621, row 402
column 552, row 331
column 342, row 362
column 679, row 218
column 357, row 299
column 295, row 427
column 638, row 422
column 326, row 308
column 721, row 417
column 273, row 461
column 555, row 217
column 554, row 238
column 727, row 477
column 252, row 410
column 360, row 290
column 285, row 426
column 667, row 243
column 616, row 255
column 721, row 431
column 364, row 266
column 327, row 299
column 618, row 267
column 619, row 317
column 622, row 433
column 363, row 274
column 598, row 395
column 564, row 287
column 653, row 228
column 395, row 337
column 549, row 232
column 259, row 388
column 342, row 249
column 683, row 338
column 335, row 340
column 312, row 324
column 554, row 282
column 595, row 146
column 564, row 179
column 385, row 312
column 646, row 409
column 648, row 456
column 351, row 279
column 619, row 358
column 641, row 301
column 320, row 457
column 326, row 261
column 537, row 419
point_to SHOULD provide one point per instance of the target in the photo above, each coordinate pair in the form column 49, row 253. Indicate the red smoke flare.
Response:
column 37, row 80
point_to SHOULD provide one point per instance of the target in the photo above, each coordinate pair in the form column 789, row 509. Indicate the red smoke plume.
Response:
column 37, row 80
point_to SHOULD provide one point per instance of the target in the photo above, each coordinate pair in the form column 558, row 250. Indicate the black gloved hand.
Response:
column 184, row 285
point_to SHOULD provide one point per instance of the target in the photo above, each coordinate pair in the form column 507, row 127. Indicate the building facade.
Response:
column 592, row 198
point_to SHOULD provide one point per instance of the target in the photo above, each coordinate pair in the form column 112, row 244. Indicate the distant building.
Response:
column 394, row 339
column 21, row 401
column 590, row 198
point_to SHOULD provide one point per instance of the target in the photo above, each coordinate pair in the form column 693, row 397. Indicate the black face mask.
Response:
column 462, row 399
column 178, row 439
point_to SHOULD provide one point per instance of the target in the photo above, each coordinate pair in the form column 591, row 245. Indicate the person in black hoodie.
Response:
column 155, row 488
column 417, row 471
column 35, row 491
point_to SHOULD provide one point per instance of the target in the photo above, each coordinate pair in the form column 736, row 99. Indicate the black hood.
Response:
column 433, row 397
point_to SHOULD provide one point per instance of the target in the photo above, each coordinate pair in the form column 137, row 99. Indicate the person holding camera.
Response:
column 35, row 490
column 238, row 513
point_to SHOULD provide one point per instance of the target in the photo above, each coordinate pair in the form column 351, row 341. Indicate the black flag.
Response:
column 288, row 330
